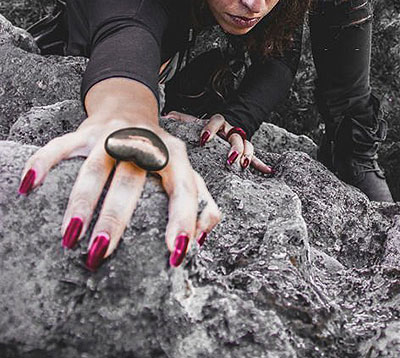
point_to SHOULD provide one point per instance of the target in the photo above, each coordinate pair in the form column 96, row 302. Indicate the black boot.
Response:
column 350, row 149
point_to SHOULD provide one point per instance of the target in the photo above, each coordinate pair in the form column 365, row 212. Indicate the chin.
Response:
column 235, row 31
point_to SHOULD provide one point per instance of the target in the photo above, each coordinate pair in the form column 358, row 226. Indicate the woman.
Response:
column 127, row 41
column 341, row 34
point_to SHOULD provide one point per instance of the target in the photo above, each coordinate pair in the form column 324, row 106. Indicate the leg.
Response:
column 341, row 44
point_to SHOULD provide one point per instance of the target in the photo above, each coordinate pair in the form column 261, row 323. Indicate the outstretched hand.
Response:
column 183, row 185
column 241, row 151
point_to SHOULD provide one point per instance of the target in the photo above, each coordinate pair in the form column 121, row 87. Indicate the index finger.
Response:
column 216, row 124
column 261, row 166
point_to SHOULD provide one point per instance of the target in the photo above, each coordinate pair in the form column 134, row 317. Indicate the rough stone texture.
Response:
column 15, row 36
column 28, row 79
column 40, row 124
column 272, row 138
column 301, row 266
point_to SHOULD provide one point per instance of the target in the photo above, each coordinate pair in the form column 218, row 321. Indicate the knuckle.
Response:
column 175, row 145
column 80, row 203
column 93, row 166
column 111, row 219
column 59, row 142
column 215, row 217
column 185, row 189
column 115, row 123
column 173, row 114
column 125, row 180
column 216, row 117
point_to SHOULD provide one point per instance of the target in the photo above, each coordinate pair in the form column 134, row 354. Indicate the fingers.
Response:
column 216, row 124
column 118, row 207
column 85, row 194
column 179, row 183
column 241, row 150
column 247, row 155
column 182, row 117
column 261, row 166
column 40, row 163
column 210, row 215
column 237, row 148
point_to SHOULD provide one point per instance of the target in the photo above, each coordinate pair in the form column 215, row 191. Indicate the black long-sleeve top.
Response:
column 132, row 38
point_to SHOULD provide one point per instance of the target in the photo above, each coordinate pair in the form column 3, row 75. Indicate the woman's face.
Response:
column 238, row 17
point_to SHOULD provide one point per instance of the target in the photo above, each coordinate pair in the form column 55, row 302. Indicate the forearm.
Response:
column 266, row 84
column 123, row 39
column 260, row 92
column 122, row 98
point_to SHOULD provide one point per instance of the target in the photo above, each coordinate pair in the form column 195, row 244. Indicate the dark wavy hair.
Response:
column 273, row 34
column 271, row 37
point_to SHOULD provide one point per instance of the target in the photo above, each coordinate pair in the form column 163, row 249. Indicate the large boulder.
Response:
column 28, row 79
column 301, row 265
column 40, row 124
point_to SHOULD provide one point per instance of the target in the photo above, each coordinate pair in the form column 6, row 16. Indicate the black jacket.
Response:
column 132, row 38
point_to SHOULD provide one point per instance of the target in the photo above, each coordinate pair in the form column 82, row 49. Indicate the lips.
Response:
column 243, row 22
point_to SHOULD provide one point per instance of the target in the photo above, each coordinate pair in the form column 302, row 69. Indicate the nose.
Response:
column 254, row 6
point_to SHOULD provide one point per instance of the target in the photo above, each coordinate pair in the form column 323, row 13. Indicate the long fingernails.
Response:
column 27, row 182
column 72, row 233
column 202, row 238
column 246, row 163
column 204, row 138
column 181, row 244
column 97, row 252
column 233, row 157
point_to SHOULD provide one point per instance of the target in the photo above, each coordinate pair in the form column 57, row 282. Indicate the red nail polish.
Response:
column 97, row 252
column 181, row 244
column 246, row 163
column 204, row 138
column 202, row 238
column 273, row 171
column 27, row 182
column 72, row 233
column 232, row 157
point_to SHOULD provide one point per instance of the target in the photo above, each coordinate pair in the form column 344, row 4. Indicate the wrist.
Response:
column 124, row 100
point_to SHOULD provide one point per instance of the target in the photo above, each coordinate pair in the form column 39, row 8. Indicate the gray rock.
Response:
column 28, row 79
column 301, row 265
column 16, row 36
column 292, row 270
column 41, row 124
column 272, row 138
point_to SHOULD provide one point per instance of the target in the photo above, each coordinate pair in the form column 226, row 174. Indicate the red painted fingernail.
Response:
column 72, row 233
column 27, row 182
column 246, row 163
column 232, row 157
column 204, row 138
column 273, row 171
column 202, row 238
column 181, row 244
column 97, row 252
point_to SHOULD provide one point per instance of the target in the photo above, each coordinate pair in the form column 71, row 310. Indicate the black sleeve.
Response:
column 121, row 37
column 266, row 83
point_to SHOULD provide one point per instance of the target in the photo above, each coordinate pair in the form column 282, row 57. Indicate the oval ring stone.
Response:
column 138, row 145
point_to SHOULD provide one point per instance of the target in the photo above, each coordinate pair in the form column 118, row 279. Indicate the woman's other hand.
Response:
column 242, row 151
column 182, row 184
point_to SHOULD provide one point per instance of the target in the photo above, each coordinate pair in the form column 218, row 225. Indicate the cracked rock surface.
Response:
column 301, row 265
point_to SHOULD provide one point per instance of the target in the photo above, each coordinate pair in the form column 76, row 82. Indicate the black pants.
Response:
column 341, row 45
